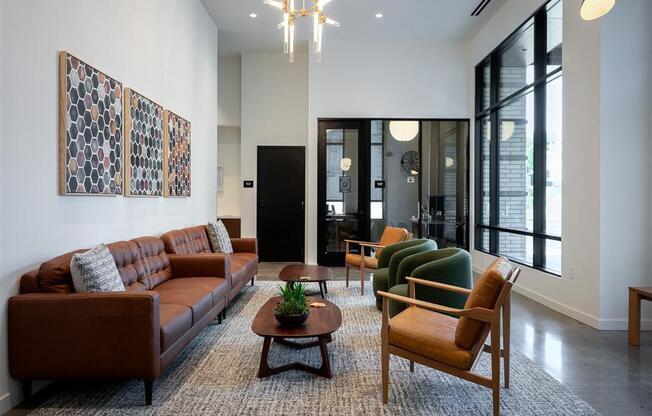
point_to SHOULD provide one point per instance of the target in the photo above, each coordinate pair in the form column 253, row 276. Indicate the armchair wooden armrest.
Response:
column 358, row 241
column 420, row 303
column 362, row 244
column 480, row 314
column 371, row 245
column 443, row 286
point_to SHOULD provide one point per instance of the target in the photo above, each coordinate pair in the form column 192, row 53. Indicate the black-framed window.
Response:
column 518, row 144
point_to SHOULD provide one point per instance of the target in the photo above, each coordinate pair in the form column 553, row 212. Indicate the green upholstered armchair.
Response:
column 451, row 266
column 390, row 259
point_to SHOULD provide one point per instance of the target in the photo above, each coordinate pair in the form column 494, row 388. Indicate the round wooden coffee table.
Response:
column 321, row 323
column 307, row 273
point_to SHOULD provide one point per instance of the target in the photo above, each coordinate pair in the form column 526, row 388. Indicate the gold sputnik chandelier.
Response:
column 290, row 14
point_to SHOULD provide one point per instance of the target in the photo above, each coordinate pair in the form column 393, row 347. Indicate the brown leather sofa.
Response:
column 242, row 264
column 55, row 333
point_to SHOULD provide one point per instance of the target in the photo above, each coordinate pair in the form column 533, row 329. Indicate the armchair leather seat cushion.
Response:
column 484, row 295
column 356, row 259
column 217, row 285
column 175, row 321
column 198, row 299
column 429, row 334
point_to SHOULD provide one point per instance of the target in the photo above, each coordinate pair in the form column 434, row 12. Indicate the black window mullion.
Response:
column 494, row 162
column 540, row 50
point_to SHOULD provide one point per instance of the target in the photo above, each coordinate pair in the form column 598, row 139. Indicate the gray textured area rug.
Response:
column 216, row 375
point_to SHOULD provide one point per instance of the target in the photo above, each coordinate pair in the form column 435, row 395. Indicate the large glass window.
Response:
column 519, row 143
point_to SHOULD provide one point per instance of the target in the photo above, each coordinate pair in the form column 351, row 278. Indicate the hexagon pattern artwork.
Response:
column 178, row 156
column 143, row 146
column 91, row 139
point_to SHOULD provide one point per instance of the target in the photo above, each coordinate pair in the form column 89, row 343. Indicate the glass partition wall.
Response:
column 403, row 173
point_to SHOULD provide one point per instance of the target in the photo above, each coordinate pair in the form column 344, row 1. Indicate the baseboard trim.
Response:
column 5, row 403
column 573, row 313
column 590, row 320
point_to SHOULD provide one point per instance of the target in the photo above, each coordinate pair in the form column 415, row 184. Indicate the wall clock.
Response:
column 410, row 162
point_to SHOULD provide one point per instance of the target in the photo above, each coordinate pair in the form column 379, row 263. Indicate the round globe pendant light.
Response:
column 595, row 9
column 404, row 130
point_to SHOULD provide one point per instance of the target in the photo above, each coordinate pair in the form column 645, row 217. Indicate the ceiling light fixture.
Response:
column 290, row 14
column 253, row 15
column 379, row 15
column 404, row 130
column 595, row 9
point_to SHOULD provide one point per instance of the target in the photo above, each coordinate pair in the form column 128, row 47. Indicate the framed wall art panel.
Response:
column 144, row 158
column 90, row 130
column 177, row 155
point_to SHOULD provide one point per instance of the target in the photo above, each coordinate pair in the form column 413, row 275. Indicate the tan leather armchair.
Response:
column 429, row 334
column 362, row 261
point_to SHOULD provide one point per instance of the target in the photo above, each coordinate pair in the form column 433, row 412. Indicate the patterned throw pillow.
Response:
column 95, row 271
column 219, row 237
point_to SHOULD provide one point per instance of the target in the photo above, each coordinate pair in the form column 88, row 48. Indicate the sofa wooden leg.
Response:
column 27, row 391
column 224, row 313
column 219, row 318
column 252, row 281
column 149, row 387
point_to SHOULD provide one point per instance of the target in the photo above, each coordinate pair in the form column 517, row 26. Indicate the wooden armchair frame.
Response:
column 363, row 269
column 490, row 316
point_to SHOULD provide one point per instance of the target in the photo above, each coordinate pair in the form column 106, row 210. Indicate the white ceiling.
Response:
column 403, row 20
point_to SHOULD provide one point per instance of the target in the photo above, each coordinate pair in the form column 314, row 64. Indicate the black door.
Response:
column 281, row 191
column 343, row 191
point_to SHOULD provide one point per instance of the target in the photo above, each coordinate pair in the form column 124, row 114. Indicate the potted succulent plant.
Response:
column 293, row 309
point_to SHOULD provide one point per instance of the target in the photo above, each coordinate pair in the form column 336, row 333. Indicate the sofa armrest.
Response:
column 200, row 265
column 245, row 245
column 84, row 335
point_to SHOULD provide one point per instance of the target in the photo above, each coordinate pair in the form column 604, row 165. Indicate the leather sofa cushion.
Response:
column 191, row 240
column 175, row 321
column 243, row 267
column 198, row 239
column 198, row 299
column 216, row 285
column 430, row 335
column 54, row 275
column 356, row 259
column 244, row 257
column 157, row 264
column 484, row 295
column 130, row 265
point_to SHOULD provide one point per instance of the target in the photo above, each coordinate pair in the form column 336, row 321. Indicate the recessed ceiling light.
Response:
column 253, row 15
column 379, row 15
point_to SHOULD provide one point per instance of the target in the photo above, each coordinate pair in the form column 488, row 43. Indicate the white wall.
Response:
column 166, row 50
column 274, row 112
column 229, row 87
column 625, row 171
column 228, row 157
column 367, row 79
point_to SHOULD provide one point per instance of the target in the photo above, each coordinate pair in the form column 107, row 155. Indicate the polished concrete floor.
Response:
column 599, row 366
